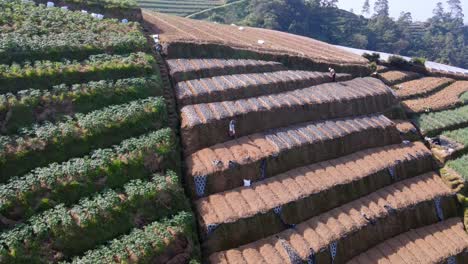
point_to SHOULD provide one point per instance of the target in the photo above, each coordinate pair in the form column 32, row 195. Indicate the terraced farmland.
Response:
column 285, row 166
column 179, row 7
column 88, row 158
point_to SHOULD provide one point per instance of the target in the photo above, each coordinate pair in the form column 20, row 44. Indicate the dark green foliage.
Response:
column 44, row 74
column 398, row 61
column 418, row 61
column 145, row 243
column 72, row 231
column 79, row 135
column 65, row 183
column 31, row 106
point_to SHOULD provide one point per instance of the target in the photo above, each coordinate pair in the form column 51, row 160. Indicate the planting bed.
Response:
column 181, row 33
column 203, row 125
column 446, row 98
column 298, row 192
column 283, row 150
column 353, row 227
column 446, row 241
column 224, row 166
column 86, row 154
column 239, row 86
column 421, row 87
column 179, row 7
column 396, row 77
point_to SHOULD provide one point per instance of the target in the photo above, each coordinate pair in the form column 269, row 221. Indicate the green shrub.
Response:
column 373, row 66
column 32, row 106
column 44, row 74
column 144, row 244
column 374, row 57
column 65, row 183
column 418, row 61
column 79, row 135
column 62, row 232
column 398, row 61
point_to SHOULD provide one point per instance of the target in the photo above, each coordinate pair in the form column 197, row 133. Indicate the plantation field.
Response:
column 179, row 7
column 460, row 166
column 195, row 34
column 434, row 123
column 88, row 161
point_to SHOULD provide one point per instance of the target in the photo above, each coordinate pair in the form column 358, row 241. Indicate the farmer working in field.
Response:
column 332, row 74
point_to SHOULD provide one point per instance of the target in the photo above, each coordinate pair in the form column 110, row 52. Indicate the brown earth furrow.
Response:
column 395, row 77
column 300, row 191
column 277, row 110
column 249, row 85
column 367, row 224
column 189, row 69
column 421, row 87
column 282, row 152
column 448, row 97
column 407, row 247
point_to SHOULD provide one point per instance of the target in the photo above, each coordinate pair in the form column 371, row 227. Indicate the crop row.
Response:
column 434, row 123
column 44, row 74
column 145, row 245
column 62, row 232
column 46, row 187
column 464, row 98
column 31, row 32
column 460, row 165
column 32, row 106
column 459, row 135
column 41, row 145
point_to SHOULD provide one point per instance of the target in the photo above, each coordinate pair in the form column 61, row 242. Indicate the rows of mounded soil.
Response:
column 282, row 169
column 224, row 166
column 203, row 125
column 353, row 227
column 177, row 31
column 446, row 241
column 189, row 69
column 299, row 191
column 446, row 98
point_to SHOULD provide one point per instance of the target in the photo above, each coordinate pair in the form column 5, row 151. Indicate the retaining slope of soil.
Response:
column 225, row 166
column 176, row 30
column 240, row 86
column 204, row 125
column 353, row 228
column 189, row 69
column 240, row 214
column 439, row 243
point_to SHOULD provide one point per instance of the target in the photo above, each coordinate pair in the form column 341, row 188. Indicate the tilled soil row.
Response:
column 189, row 69
column 346, row 231
column 395, row 77
column 447, row 98
column 205, row 125
column 224, row 166
column 421, row 87
column 430, row 244
column 240, row 86
column 246, row 214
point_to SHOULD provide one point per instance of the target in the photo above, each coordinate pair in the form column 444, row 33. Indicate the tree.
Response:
column 366, row 8
column 381, row 8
